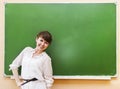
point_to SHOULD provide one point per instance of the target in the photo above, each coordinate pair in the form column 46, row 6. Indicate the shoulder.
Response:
column 46, row 56
column 27, row 49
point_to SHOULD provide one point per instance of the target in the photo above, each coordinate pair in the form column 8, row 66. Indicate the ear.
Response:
column 36, row 39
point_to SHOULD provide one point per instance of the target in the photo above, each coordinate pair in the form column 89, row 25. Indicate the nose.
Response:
column 43, row 43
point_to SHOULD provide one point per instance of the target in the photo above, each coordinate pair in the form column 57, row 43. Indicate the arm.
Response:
column 48, row 73
column 16, row 77
column 14, row 67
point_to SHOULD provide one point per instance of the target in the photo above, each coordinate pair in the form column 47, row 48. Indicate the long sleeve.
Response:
column 14, row 67
column 17, row 61
column 48, row 73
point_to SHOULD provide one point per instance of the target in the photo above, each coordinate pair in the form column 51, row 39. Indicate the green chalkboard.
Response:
column 84, row 35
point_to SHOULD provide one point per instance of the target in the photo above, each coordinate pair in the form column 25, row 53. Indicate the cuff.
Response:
column 12, row 67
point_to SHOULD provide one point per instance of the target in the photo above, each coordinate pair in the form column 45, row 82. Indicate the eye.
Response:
column 46, row 43
column 41, row 40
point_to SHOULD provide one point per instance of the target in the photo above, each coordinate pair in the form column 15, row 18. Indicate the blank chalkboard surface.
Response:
column 84, row 35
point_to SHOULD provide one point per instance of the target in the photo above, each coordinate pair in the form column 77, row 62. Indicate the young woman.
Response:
column 36, row 65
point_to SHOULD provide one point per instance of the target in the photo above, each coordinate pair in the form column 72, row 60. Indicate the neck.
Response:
column 38, row 51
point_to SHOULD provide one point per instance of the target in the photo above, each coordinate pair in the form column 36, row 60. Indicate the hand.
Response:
column 48, row 87
column 19, row 83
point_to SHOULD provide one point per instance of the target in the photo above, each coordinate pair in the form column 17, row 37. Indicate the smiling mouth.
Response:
column 39, row 45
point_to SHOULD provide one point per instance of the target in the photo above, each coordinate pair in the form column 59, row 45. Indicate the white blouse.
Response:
column 38, row 66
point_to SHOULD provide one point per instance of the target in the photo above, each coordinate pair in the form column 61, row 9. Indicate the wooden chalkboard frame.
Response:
column 86, row 77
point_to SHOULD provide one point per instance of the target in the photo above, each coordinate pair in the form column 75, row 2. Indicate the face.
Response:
column 41, row 44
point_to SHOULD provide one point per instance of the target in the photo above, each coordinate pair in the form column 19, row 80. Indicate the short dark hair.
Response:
column 45, row 35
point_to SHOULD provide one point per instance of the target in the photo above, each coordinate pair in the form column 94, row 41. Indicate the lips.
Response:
column 40, row 46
